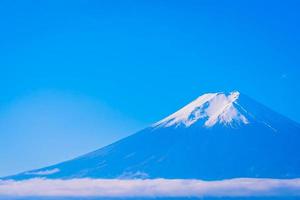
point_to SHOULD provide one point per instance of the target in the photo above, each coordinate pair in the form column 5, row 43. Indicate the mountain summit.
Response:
column 212, row 109
column 217, row 136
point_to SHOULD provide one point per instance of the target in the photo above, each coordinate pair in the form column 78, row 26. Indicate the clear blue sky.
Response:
column 76, row 75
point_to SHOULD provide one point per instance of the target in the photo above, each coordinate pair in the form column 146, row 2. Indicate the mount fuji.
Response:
column 217, row 136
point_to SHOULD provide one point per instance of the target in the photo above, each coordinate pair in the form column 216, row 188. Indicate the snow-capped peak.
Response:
column 211, row 109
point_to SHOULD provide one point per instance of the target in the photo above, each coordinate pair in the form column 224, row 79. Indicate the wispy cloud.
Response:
column 43, row 172
column 150, row 188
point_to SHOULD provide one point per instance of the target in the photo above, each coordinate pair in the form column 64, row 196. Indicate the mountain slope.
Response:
column 217, row 136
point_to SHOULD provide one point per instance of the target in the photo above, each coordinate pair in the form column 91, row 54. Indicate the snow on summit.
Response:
column 211, row 109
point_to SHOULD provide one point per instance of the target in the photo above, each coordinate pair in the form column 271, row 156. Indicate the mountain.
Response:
column 217, row 136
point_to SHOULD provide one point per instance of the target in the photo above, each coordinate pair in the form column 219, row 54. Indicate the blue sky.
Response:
column 76, row 75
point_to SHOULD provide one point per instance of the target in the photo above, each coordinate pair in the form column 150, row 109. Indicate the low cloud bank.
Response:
column 242, row 187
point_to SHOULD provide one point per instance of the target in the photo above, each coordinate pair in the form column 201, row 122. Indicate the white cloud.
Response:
column 43, row 172
column 151, row 188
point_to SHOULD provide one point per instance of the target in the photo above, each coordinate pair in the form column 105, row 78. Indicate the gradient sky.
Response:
column 77, row 75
